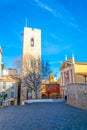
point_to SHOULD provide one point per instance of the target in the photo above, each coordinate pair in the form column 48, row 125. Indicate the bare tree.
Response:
column 32, row 81
column 17, row 63
column 45, row 67
column 32, row 72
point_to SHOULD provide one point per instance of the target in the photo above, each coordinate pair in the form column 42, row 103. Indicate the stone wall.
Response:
column 77, row 95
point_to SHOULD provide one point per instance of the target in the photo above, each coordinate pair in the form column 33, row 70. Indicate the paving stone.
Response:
column 43, row 116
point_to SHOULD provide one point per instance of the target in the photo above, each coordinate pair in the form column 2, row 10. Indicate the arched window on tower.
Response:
column 32, row 42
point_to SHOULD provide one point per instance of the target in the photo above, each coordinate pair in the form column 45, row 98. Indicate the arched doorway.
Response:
column 11, row 102
column 54, row 95
column 44, row 96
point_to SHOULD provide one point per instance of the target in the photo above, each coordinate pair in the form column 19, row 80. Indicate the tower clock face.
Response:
column 32, row 42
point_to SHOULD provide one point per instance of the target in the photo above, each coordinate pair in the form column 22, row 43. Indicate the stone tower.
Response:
column 31, row 45
column 31, row 49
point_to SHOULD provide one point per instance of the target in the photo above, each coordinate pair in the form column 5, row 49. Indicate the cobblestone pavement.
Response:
column 43, row 116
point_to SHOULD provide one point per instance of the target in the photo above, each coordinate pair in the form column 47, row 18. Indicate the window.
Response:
column 32, row 42
column 4, row 85
column 66, row 74
column 12, row 85
column 12, row 94
column 67, row 77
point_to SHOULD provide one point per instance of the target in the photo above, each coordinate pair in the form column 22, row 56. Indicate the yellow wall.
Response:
column 79, row 78
column 43, row 88
column 80, row 68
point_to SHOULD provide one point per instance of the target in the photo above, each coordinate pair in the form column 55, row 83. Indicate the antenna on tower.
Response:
column 26, row 22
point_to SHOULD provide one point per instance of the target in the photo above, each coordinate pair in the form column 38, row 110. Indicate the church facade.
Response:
column 72, row 72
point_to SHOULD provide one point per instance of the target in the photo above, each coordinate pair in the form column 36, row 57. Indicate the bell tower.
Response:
column 31, row 51
column 31, row 45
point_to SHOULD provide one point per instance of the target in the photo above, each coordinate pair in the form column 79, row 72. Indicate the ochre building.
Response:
column 50, row 89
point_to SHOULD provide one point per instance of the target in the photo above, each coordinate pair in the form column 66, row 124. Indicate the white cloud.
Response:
column 61, row 13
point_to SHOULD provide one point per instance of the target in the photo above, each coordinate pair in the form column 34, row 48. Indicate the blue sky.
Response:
column 63, row 24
